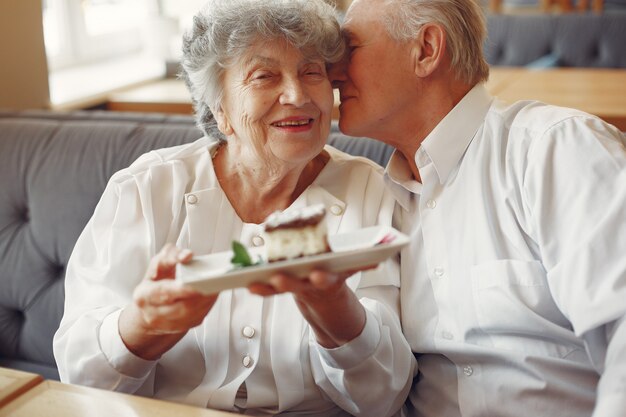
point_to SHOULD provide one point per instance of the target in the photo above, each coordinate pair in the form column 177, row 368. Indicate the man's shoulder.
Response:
column 533, row 118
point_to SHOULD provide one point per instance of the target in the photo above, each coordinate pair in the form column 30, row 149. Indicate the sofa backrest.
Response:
column 53, row 169
column 564, row 40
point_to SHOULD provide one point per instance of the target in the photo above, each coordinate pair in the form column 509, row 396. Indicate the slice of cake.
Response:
column 295, row 233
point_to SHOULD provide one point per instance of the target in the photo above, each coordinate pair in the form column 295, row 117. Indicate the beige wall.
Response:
column 23, row 67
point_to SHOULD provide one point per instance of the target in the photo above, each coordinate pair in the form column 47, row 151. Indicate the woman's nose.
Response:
column 294, row 93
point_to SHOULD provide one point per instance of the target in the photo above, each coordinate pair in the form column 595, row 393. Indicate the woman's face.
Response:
column 277, row 103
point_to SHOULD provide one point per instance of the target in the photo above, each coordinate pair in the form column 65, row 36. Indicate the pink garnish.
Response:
column 388, row 238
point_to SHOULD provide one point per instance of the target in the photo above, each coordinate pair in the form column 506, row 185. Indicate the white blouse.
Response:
column 250, row 353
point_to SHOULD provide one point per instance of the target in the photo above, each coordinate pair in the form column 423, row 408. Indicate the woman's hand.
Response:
column 331, row 308
column 163, row 310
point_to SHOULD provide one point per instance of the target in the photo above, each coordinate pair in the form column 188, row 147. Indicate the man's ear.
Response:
column 222, row 122
column 428, row 49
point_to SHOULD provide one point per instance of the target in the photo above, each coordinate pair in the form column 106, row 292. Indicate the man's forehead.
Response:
column 360, row 12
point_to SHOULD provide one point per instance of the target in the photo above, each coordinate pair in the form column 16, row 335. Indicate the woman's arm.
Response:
column 359, row 355
column 114, row 297
column 329, row 306
column 163, row 310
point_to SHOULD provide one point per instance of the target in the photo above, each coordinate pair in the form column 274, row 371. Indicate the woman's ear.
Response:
column 222, row 123
column 428, row 49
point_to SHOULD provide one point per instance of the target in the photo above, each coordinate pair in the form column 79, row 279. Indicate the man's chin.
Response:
column 350, row 125
column 344, row 125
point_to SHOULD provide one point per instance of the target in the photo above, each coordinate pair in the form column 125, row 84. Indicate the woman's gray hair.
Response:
column 463, row 22
column 224, row 30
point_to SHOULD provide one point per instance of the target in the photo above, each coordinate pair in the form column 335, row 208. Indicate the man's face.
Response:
column 376, row 79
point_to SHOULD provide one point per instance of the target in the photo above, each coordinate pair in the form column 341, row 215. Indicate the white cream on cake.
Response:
column 295, row 233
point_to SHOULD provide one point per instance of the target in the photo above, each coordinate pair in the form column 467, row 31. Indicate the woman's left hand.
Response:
column 326, row 302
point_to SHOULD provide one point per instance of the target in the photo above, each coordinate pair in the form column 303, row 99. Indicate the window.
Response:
column 86, row 31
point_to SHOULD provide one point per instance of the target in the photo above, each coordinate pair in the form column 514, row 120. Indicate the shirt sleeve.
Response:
column 105, row 267
column 576, row 190
column 372, row 374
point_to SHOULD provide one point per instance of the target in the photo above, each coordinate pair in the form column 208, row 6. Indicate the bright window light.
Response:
column 110, row 16
column 87, row 31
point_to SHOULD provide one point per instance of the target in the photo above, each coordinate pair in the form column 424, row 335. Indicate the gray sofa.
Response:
column 53, row 168
column 563, row 40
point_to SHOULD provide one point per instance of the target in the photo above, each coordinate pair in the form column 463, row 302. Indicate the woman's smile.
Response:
column 294, row 124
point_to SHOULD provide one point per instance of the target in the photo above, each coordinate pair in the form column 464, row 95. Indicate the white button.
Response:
column 467, row 370
column 257, row 241
column 447, row 335
column 192, row 199
column 438, row 272
column 431, row 204
column 248, row 332
column 247, row 361
column 336, row 209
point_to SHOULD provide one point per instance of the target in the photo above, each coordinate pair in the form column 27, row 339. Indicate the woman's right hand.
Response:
column 163, row 309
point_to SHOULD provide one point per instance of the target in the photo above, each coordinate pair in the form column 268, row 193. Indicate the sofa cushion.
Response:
column 52, row 173
column 573, row 40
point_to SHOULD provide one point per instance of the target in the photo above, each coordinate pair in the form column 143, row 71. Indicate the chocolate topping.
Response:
column 295, row 219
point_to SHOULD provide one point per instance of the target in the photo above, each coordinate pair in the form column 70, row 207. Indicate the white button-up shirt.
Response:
column 250, row 352
column 514, row 284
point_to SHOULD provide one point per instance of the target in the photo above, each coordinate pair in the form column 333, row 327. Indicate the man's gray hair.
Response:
column 224, row 30
column 463, row 22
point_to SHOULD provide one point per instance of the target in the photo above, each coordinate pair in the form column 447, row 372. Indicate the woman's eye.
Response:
column 261, row 76
column 315, row 71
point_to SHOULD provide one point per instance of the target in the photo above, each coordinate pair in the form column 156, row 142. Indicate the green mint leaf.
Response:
column 241, row 257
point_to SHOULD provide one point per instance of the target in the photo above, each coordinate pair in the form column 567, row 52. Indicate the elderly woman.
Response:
column 324, row 346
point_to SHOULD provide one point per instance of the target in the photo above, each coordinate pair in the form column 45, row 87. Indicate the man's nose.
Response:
column 337, row 71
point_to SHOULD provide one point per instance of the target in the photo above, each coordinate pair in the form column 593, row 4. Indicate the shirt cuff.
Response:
column 116, row 352
column 357, row 350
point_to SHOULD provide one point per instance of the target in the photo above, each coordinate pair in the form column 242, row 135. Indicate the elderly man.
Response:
column 514, row 285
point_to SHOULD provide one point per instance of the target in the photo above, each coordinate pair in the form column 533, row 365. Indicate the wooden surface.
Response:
column 501, row 77
column 54, row 399
column 546, row 6
column 15, row 383
column 601, row 92
column 163, row 96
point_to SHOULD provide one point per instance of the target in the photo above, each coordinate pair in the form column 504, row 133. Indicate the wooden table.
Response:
column 601, row 92
column 163, row 96
column 54, row 399
column 15, row 383
column 495, row 6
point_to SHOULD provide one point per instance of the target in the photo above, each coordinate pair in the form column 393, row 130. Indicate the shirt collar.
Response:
column 448, row 141
column 399, row 179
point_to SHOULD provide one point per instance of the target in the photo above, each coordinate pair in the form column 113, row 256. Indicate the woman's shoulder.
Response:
column 345, row 171
column 180, row 155
column 345, row 161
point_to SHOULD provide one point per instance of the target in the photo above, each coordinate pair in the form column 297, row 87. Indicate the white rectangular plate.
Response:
column 213, row 273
